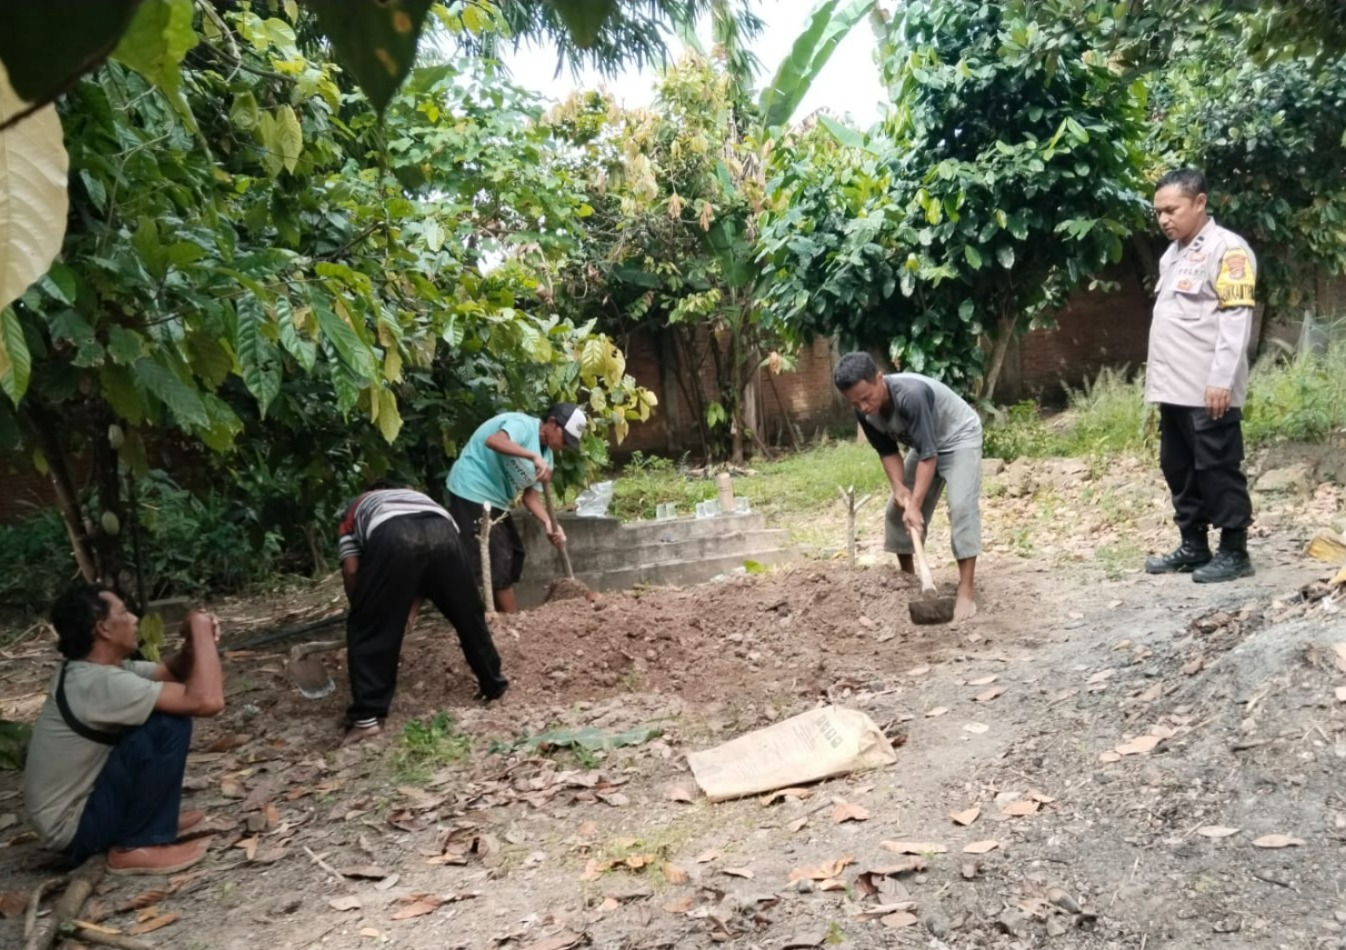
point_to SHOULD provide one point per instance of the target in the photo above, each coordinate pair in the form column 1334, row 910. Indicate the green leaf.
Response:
column 244, row 113
column 257, row 357
column 584, row 18
column 374, row 39
column 1005, row 255
column 390, row 420
column 119, row 389
column 304, row 351
column 754, row 567
column 289, row 137
column 354, row 353
column 845, row 135
column 15, row 363
column 59, row 283
column 44, row 52
column 826, row 28
column 182, row 400
column 973, row 256
column 159, row 36
column 125, row 346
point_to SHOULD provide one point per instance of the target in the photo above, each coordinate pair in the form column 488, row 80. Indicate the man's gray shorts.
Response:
column 960, row 470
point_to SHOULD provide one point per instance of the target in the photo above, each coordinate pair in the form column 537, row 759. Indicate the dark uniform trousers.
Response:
column 1200, row 458
column 410, row 556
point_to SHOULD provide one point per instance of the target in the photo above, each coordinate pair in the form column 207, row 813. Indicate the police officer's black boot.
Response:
column 1230, row 562
column 1194, row 552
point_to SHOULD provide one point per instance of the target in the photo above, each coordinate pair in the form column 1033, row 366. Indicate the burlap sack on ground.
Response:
column 815, row 745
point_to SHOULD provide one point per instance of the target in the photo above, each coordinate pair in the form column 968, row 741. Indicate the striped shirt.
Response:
column 365, row 514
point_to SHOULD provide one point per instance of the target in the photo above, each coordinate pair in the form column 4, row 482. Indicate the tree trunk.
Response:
column 796, row 438
column 58, row 470
column 1004, row 334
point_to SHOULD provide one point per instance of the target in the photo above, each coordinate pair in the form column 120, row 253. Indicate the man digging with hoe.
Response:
column 945, row 439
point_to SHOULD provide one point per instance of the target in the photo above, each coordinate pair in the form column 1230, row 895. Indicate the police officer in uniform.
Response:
column 1198, row 374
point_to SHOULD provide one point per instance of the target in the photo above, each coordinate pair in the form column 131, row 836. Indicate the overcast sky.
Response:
column 849, row 83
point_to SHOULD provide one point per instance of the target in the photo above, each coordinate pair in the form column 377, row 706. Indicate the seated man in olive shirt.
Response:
column 109, row 747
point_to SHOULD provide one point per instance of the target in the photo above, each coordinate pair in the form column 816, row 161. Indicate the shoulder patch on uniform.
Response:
column 1236, row 283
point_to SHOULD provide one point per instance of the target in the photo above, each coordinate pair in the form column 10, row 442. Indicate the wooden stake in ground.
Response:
column 852, row 508
column 484, row 542
column 82, row 883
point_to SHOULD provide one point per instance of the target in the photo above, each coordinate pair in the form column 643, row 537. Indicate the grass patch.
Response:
column 802, row 482
column 1119, row 560
column 424, row 747
column 1303, row 399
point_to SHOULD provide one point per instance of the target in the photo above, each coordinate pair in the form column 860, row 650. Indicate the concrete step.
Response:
column 663, row 552
column 533, row 586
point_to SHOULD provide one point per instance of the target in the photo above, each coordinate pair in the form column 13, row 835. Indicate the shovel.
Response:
column 551, row 516
column 307, row 672
column 931, row 608
column 568, row 587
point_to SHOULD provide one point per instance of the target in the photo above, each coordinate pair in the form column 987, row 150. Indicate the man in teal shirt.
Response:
column 508, row 454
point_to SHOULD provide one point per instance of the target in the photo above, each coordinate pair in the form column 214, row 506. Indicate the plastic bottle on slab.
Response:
column 725, row 486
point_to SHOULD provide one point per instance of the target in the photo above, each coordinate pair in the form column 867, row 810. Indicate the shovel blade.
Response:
column 311, row 677
column 939, row 610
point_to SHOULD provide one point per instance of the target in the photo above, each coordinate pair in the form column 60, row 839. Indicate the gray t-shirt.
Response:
column 924, row 414
column 63, row 766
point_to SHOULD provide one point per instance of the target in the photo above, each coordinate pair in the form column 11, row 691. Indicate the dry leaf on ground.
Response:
column 1277, row 841
column 832, row 884
column 675, row 874
column 738, row 872
column 918, row 671
column 822, row 872
column 1021, row 809
column 937, row 711
column 966, row 817
column 980, row 847
column 1340, row 649
column 1041, row 797
column 847, row 811
column 679, row 794
column 708, row 856
column 349, row 902
column 983, row 680
column 797, row 824
column 1101, row 676
column 898, row 920
column 969, row 869
column 914, row 847
column 144, row 899
column 682, row 905
column 1140, row 745
column 780, row 794
column 563, row 941
column 1216, row 831
column 1109, row 756
column 419, row 906
column 989, row 694
column 1340, row 693
column 153, row 924
column 976, row 728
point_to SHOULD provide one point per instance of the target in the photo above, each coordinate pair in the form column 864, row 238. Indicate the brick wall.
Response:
column 1093, row 330
column 804, row 396
column 22, row 494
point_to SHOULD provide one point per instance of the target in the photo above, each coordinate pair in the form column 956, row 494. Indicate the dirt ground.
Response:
column 1219, row 701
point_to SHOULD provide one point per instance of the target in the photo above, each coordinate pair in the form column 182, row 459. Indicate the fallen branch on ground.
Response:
column 82, row 882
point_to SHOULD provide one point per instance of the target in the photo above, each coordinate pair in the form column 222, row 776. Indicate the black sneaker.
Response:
column 1225, row 566
column 1194, row 552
